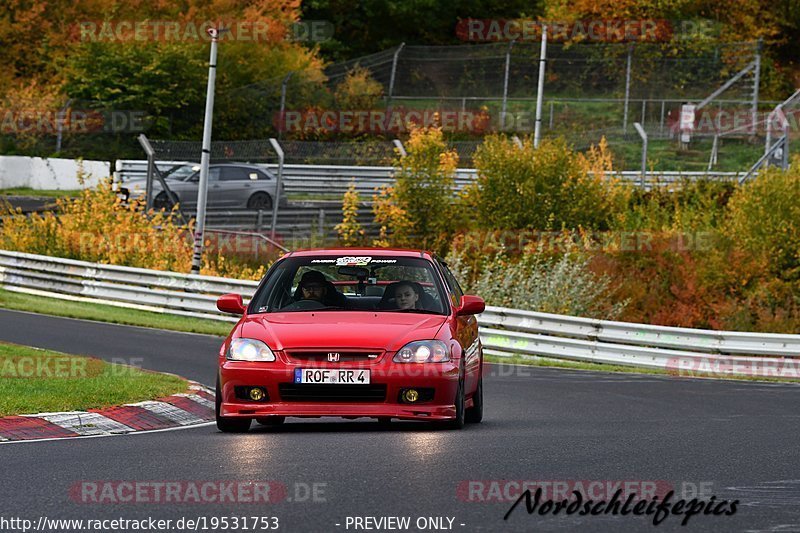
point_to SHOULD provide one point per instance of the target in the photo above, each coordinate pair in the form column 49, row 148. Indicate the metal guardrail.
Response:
column 334, row 180
column 504, row 332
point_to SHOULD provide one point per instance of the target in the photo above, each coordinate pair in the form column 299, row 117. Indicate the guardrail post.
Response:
column 275, row 201
column 321, row 223
column 259, row 219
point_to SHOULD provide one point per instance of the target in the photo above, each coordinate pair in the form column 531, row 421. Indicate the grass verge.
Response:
column 36, row 381
column 600, row 367
column 108, row 313
column 27, row 191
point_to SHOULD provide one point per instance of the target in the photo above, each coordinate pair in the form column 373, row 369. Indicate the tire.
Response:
column 260, row 200
column 271, row 421
column 460, row 401
column 474, row 414
column 229, row 425
column 161, row 201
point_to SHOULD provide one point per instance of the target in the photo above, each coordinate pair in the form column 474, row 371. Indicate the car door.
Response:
column 466, row 332
column 236, row 185
column 187, row 189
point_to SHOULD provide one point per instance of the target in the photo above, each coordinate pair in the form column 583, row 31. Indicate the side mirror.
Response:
column 231, row 303
column 471, row 305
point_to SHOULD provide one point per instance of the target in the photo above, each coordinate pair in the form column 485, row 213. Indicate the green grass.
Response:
column 599, row 367
column 35, row 381
column 108, row 313
column 27, row 191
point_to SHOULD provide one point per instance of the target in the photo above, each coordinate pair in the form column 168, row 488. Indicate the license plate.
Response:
column 331, row 376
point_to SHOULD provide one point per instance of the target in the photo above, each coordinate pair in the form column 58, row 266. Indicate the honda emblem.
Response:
column 333, row 357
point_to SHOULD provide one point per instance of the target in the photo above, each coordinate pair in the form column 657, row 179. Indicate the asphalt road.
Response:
column 730, row 440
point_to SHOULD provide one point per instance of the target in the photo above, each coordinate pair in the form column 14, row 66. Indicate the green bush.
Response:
column 420, row 210
column 691, row 205
column 541, row 281
column 764, row 220
column 546, row 188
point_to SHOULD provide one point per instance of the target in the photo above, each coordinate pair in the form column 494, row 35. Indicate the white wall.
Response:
column 60, row 174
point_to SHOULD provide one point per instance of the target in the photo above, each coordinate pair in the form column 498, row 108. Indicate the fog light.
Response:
column 256, row 394
column 411, row 396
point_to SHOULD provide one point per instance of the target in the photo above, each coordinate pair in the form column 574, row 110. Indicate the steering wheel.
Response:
column 304, row 305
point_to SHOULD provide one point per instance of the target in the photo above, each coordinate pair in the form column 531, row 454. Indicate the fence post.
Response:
column 661, row 122
column 714, row 152
column 282, row 123
column 505, row 86
column 275, row 201
column 148, row 188
column 393, row 74
column 60, row 123
column 550, row 126
column 398, row 144
column 643, row 135
column 756, row 82
column 627, row 91
column 537, row 130
column 322, row 222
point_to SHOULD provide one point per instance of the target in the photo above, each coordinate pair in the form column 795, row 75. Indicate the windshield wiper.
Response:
column 419, row 311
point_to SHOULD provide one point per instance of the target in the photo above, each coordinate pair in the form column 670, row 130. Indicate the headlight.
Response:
column 249, row 350
column 423, row 352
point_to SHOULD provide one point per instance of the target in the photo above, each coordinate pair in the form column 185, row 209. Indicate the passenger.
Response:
column 406, row 295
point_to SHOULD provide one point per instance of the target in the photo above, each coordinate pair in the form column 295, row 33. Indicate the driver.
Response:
column 314, row 286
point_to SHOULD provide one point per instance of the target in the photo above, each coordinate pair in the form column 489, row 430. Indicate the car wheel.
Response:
column 260, row 200
column 460, row 401
column 271, row 420
column 161, row 201
column 229, row 425
column 475, row 413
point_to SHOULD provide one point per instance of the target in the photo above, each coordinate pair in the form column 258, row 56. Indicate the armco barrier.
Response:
column 334, row 180
column 504, row 332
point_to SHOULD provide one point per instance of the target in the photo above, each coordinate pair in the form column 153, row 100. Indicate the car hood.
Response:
column 341, row 329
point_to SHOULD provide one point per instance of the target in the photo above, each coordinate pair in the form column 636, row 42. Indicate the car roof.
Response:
column 394, row 252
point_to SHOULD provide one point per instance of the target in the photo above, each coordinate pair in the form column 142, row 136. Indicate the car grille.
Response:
column 293, row 392
column 345, row 356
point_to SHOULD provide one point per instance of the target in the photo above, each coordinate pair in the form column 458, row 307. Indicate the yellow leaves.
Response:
column 350, row 230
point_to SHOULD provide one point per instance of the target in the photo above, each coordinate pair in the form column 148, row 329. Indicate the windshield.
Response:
column 378, row 284
column 179, row 172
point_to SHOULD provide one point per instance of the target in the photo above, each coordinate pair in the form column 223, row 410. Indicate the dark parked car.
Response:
column 234, row 185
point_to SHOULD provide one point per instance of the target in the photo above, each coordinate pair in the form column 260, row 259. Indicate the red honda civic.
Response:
column 352, row 333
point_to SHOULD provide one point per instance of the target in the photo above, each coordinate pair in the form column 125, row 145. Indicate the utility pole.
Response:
column 202, row 191
column 537, row 130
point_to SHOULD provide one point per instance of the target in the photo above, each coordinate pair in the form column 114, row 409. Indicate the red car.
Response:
column 352, row 333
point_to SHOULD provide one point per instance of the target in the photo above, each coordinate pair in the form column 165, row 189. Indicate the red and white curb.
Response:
column 178, row 410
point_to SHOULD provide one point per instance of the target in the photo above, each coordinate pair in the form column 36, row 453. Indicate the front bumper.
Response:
column 442, row 377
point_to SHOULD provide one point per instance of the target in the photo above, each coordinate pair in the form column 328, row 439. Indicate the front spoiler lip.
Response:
column 304, row 409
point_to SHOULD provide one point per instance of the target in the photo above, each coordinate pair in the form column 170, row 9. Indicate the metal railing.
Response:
column 504, row 332
column 333, row 180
